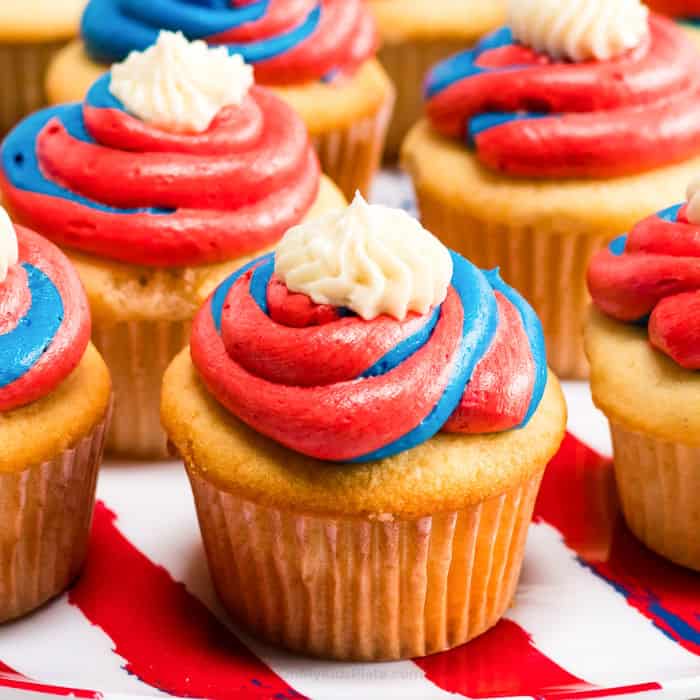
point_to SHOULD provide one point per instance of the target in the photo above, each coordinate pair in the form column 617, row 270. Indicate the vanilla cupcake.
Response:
column 551, row 136
column 316, row 54
column 174, row 171
column 54, row 401
column 643, row 341
column 31, row 31
column 365, row 418
column 416, row 34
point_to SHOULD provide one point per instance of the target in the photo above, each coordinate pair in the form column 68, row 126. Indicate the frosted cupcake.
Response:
column 31, row 31
column 643, row 341
column 416, row 34
column 316, row 54
column 174, row 170
column 550, row 137
column 54, row 400
column 365, row 418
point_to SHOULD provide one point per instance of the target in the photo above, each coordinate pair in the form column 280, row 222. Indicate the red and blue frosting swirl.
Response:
column 652, row 277
column 529, row 115
column 44, row 322
column 330, row 385
column 288, row 41
column 97, row 179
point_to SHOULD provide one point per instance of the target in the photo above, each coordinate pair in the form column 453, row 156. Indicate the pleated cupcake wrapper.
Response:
column 137, row 354
column 365, row 589
column 659, row 483
column 351, row 156
column 45, row 518
column 407, row 65
column 22, row 71
column 547, row 267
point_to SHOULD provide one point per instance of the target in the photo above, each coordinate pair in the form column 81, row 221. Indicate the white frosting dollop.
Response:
column 9, row 253
column 180, row 85
column 693, row 211
column 369, row 258
column 579, row 29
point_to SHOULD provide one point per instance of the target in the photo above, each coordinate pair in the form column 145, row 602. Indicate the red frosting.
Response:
column 345, row 37
column 676, row 8
column 233, row 190
column 658, row 276
column 67, row 346
column 297, row 371
column 603, row 119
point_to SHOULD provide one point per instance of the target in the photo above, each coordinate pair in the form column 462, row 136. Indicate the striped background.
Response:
column 596, row 614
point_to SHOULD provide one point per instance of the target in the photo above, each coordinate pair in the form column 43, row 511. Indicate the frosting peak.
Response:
column 180, row 85
column 9, row 254
column 371, row 259
column 579, row 29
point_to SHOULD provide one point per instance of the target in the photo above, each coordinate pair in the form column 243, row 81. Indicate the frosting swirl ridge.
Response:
column 333, row 386
column 652, row 277
column 44, row 322
column 95, row 178
column 289, row 41
column 528, row 114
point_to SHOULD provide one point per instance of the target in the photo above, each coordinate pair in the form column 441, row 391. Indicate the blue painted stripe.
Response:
column 617, row 246
column 260, row 282
column 478, row 330
column 113, row 28
column 670, row 214
column 21, row 165
column 535, row 335
column 22, row 347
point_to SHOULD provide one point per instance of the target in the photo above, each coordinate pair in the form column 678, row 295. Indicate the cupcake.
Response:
column 365, row 418
column 54, row 400
column 416, row 34
column 643, row 342
column 316, row 54
column 31, row 32
column 685, row 11
column 550, row 137
column 175, row 169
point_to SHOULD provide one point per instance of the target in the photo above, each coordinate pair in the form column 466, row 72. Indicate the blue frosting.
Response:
column 475, row 290
column 113, row 28
column 20, row 163
column 22, row 347
column 535, row 335
column 463, row 66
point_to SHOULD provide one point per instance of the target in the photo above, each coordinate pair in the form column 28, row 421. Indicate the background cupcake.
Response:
column 543, row 144
column 317, row 54
column 416, row 34
column 31, row 31
column 54, row 399
column 364, row 341
column 643, row 341
column 174, row 170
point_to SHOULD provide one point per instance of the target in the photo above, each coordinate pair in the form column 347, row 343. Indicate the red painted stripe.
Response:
column 590, row 521
column 504, row 661
column 169, row 638
column 9, row 678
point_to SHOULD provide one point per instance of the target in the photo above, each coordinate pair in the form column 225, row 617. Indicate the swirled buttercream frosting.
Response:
column 579, row 29
column 323, row 381
column 98, row 179
column 180, row 85
column 289, row 41
column 528, row 113
column 651, row 277
column 44, row 317
column 372, row 260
